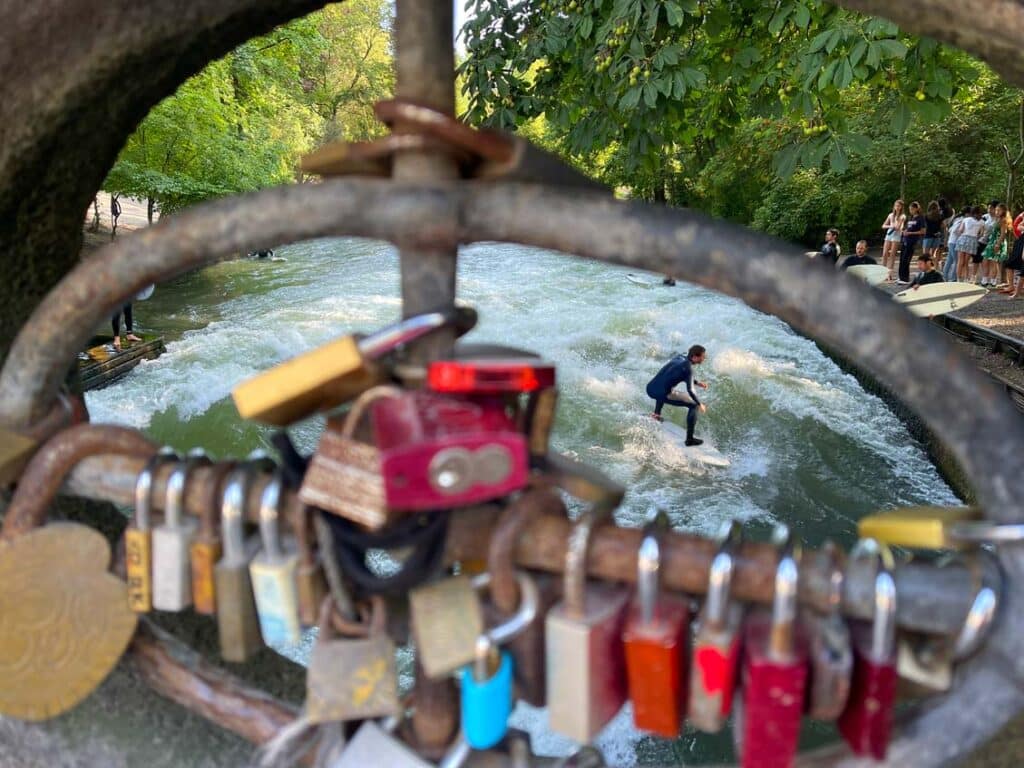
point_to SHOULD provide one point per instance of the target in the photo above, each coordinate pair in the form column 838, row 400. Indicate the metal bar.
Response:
column 175, row 671
column 930, row 600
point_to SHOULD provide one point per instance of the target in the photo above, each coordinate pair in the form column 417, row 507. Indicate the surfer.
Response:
column 926, row 272
column 860, row 257
column 679, row 370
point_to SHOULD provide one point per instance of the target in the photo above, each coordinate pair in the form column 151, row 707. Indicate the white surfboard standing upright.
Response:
column 939, row 298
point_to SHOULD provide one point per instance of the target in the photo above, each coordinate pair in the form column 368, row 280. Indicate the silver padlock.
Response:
column 273, row 571
column 374, row 744
column 172, row 564
column 586, row 676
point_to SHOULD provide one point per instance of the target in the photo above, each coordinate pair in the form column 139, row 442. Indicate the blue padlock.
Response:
column 486, row 695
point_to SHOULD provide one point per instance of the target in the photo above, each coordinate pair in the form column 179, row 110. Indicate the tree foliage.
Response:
column 242, row 122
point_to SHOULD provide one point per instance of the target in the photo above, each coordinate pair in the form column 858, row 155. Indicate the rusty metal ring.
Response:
column 858, row 323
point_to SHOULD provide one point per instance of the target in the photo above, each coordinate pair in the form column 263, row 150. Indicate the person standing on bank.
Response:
column 893, row 227
column 912, row 234
column 679, row 370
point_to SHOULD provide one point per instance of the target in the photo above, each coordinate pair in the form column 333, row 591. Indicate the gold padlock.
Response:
column 15, row 451
column 916, row 527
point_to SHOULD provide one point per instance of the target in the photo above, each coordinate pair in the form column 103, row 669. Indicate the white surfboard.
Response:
column 939, row 298
column 872, row 274
column 706, row 453
column 145, row 293
column 644, row 281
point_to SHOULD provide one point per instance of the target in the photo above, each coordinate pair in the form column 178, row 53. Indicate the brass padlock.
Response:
column 446, row 620
column 344, row 476
column 15, row 451
column 352, row 678
column 310, row 579
column 335, row 373
column 207, row 547
column 138, row 544
column 237, row 622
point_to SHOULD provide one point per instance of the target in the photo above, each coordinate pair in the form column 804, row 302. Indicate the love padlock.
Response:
column 207, row 546
column 272, row 572
column 310, row 576
column 172, row 541
column 585, row 661
column 866, row 723
column 831, row 654
column 138, row 537
column 656, row 637
column 487, row 683
column 238, row 626
column 716, row 644
column 774, row 673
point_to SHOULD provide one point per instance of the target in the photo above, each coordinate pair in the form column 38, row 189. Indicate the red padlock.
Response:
column 716, row 643
column 774, row 673
column 438, row 451
column 490, row 376
column 866, row 723
column 656, row 639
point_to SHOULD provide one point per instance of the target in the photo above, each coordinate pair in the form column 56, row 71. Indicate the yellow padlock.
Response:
column 336, row 372
column 916, row 527
column 15, row 451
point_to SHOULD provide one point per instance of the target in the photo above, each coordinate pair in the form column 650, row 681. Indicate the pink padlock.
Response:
column 438, row 451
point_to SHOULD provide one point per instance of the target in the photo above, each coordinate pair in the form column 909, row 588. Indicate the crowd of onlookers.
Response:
column 975, row 244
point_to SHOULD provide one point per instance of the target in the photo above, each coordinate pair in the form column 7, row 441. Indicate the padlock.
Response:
column 540, row 420
column 490, row 376
column 438, row 452
column 866, row 723
column 272, row 572
column 373, row 744
column 656, row 639
column 172, row 567
column 138, row 543
column 716, row 644
column 310, row 579
column 206, row 547
column 344, row 475
column 924, row 664
column 446, row 619
column 487, row 682
column 351, row 678
column 585, row 662
column 831, row 655
column 774, row 674
column 238, row 625
column 916, row 527
column 336, row 372
column 527, row 648
column 15, row 451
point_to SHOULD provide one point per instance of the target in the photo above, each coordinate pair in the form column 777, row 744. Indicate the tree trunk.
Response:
column 150, row 203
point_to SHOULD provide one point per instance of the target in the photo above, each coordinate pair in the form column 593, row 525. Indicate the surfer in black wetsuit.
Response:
column 679, row 370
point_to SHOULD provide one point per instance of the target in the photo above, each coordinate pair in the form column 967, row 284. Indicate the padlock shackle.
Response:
column 648, row 565
column 730, row 536
column 362, row 403
column 575, row 579
column 232, row 513
column 177, row 481
column 388, row 339
column 982, row 614
column 883, row 623
column 784, row 599
column 529, row 601
column 270, row 509
column 144, row 487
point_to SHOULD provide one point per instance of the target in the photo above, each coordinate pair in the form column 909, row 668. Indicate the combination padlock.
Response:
column 138, row 542
column 238, row 625
column 172, row 541
column 353, row 677
column 273, row 571
column 656, row 639
column 336, row 372
column 583, row 634
column 831, row 654
column 486, row 692
column 866, row 723
column 716, row 644
column 774, row 675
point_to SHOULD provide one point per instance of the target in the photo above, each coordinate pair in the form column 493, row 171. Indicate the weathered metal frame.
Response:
column 933, row 379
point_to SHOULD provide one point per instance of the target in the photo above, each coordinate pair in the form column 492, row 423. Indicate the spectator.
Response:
column 893, row 227
column 913, row 231
column 859, row 257
column 830, row 250
column 981, row 269
column 1016, row 260
column 967, row 242
column 998, row 247
column 932, row 230
column 955, row 227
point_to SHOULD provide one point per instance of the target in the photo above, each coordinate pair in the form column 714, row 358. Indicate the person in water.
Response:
column 859, row 258
column 679, row 370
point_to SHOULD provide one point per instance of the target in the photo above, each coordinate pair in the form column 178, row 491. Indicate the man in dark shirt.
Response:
column 679, row 370
column 927, row 273
column 860, row 257
column 913, row 231
column 830, row 250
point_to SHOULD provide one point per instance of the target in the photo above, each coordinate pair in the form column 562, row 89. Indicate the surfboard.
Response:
column 872, row 274
column 939, row 298
column 706, row 453
column 145, row 293
column 644, row 281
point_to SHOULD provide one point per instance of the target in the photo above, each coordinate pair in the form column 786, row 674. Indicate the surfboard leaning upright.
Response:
column 939, row 298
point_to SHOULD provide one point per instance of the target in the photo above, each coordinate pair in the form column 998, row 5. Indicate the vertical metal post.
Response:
column 425, row 73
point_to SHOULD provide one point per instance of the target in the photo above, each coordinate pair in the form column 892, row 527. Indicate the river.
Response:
column 808, row 445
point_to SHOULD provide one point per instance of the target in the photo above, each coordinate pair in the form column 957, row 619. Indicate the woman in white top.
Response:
column 893, row 227
column 949, row 269
column 967, row 242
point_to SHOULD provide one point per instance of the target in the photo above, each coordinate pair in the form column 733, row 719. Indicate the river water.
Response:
column 808, row 446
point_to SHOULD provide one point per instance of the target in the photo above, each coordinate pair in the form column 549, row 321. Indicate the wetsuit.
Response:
column 675, row 371
column 927, row 278
column 856, row 261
